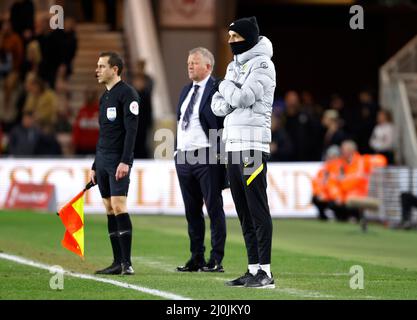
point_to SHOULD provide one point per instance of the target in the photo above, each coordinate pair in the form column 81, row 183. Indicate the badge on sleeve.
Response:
column 111, row 113
column 134, row 108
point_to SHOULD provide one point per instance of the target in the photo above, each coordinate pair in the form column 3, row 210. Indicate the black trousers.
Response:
column 343, row 213
column 408, row 201
column 203, row 183
column 248, row 186
column 321, row 206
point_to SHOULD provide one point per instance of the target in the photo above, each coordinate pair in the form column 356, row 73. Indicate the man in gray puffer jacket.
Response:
column 245, row 98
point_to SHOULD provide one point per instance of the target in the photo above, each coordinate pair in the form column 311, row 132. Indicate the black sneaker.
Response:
column 213, row 266
column 261, row 280
column 127, row 269
column 192, row 266
column 241, row 281
column 115, row 268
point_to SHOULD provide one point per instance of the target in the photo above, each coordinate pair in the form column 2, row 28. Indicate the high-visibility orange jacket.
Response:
column 354, row 179
column 340, row 180
column 373, row 161
column 318, row 184
column 326, row 183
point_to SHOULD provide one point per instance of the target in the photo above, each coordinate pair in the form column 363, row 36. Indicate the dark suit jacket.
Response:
column 207, row 118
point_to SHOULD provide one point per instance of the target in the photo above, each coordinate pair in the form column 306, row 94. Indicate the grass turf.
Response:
column 310, row 260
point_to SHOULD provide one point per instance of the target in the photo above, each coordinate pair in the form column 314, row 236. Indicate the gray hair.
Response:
column 205, row 53
column 350, row 144
column 332, row 152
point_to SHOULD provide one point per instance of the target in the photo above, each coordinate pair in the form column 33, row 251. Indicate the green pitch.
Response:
column 310, row 260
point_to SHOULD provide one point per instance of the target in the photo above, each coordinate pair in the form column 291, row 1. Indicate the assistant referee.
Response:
column 118, row 120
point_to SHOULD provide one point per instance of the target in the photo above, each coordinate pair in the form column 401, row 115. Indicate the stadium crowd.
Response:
column 36, row 118
column 36, row 64
column 303, row 130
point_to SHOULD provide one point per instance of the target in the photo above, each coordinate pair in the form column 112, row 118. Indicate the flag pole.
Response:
column 87, row 187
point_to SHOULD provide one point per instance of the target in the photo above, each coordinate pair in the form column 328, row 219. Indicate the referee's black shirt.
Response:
column 118, row 120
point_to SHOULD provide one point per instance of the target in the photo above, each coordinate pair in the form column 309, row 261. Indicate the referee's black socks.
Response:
column 114, row 238
column 124, row 228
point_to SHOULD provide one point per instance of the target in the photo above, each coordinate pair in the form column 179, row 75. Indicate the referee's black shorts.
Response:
column 106, row 166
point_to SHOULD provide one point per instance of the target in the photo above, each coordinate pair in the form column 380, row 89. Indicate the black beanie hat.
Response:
column 247, row 28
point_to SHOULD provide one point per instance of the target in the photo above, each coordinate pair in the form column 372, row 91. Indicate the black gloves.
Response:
column 217, row 84
column 237, row 84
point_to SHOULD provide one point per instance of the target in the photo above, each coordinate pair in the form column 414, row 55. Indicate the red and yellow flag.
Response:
column 72, row 216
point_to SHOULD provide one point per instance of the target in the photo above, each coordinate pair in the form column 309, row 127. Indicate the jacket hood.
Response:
column 262, row 48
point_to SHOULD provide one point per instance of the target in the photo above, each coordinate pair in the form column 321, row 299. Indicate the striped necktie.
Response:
column 189, row 111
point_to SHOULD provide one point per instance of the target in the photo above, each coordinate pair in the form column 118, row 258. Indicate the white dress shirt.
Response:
column 193, row 137
column 382, row 138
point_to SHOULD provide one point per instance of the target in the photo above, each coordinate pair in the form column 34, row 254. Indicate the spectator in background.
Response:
column 64, row 113
column 382, row 138
column 22, row 14
column 41, row 101
column 52, row 47
column 29, row 70
column 333, row 133
column 32, row 59
column 315, row 112
column 12, row 46
column 300, row 128
column 281, row 146
column 143, row 84
column 48, row 143
column 346, row 118
column 70, row 43
column 111, row 13
column 61, row 82
column 63, row 127
column 366, row 101
column 24, row 138
column 42, row 36
column 367, row 121
column 86, row 128
column 310, row 106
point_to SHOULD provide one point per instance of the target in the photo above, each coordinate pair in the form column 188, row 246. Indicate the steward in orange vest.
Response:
column 326, row 183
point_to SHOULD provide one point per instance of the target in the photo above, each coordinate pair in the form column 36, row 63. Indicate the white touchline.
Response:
column 154, row 292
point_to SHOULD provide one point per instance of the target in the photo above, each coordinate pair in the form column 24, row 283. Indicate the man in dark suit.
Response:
column 200, row 175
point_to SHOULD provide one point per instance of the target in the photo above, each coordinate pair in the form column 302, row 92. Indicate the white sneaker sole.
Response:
column 269, row 286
